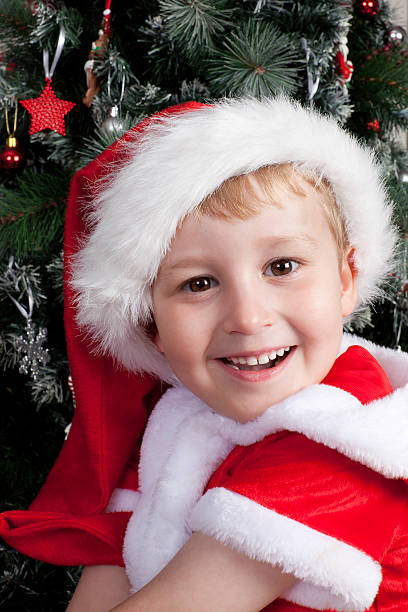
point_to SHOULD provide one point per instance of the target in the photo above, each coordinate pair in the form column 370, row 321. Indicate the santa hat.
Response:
column 176, row 162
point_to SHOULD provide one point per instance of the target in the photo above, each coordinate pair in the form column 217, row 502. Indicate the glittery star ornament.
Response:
column 47, row 111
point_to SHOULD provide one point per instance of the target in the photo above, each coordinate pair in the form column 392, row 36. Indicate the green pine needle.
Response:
column 256, row 60
column 193, row 23
column 32, row 216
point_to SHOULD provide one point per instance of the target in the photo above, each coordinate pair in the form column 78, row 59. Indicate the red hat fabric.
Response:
column 65, row 524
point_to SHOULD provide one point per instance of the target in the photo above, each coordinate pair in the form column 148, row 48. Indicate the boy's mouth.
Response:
column 263, row 361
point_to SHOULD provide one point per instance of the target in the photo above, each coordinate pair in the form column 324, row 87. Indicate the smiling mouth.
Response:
column 254, row 363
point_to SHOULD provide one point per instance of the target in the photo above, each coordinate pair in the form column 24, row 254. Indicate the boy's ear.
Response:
column 153, row 334
column 348, row 278
column 157, row 342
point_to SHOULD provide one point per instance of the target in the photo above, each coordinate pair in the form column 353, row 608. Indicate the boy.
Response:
column 227, row 269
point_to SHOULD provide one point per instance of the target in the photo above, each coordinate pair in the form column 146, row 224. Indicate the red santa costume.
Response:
column 317, row 483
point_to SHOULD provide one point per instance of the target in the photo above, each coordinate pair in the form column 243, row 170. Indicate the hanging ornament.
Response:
column 396, row 35
column 11, row 156
column 99, row 48
column 344, row 67
column 366, row 8
column 47, row 111
column 113, row 123
column 30, row 349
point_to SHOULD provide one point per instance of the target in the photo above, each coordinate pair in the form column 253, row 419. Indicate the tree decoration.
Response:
column 373, row 126
column 396, row 35
column 47, row 111
column 31, row 349
column 31, row 353
column 99, row 48
column 11, row 156
column 113, row 123
column 344, row 67
column 366, row 8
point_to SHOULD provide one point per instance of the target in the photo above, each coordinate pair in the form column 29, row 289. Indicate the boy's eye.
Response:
column 281, row 267
column 199, row 284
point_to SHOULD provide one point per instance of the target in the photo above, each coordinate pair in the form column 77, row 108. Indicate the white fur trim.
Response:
column 174, row 165
column 123, row 500
column 331, row 574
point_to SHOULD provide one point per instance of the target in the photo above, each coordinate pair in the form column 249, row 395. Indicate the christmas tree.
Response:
column 346, row 58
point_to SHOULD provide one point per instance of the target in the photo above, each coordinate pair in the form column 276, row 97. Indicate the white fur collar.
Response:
column 374, row 434
column 185, row 441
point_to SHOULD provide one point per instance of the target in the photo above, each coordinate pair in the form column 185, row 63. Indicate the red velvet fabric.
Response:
column 65, row 524
column 322, row 489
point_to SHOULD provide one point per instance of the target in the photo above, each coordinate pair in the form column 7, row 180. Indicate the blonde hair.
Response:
column 231, row 199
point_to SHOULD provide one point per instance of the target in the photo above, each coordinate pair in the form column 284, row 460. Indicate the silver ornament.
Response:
column 397, row 35
column 113, row 123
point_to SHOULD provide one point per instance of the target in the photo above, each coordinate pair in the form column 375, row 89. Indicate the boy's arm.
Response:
column 206, row 575
column 99, row 588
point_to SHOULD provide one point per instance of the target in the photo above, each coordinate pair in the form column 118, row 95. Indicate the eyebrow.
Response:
column 195, row 259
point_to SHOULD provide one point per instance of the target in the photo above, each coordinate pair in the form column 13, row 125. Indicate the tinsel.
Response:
column 313, row 71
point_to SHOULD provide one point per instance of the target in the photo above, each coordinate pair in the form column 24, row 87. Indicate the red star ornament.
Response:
column 47, row 111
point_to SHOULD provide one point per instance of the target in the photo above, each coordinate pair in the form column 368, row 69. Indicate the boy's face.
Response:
column 268, row 288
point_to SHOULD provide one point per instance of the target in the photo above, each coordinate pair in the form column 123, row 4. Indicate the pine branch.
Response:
column 397, row 290
column 257, row 60
column 61, row 149
column 17, row 280
column 47, row 388
column 48, row 18
column 194, row 23
column 379, row 87
column 116, row 68
column 163, row 58
column 55, row 271
column 32, row 216
column 361, row 319
column 333, row 99
column 102, row 139
column 146, row 99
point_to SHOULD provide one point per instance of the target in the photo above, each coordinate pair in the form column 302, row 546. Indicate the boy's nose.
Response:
column 247, row 312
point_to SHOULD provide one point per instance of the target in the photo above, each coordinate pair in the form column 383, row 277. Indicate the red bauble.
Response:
column 373, row 126
column 11, row 156
column 47, row 111
column 366, row 8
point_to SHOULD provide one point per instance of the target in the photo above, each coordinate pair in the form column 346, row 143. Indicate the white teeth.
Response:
column 261, row 359
column 252, row 361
